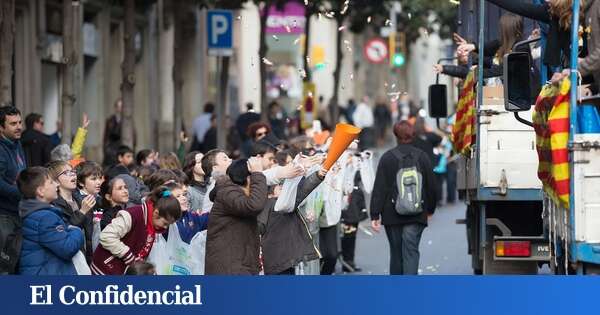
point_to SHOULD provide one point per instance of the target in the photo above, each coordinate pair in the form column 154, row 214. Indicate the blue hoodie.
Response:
column 12, row 162
column 49, row 243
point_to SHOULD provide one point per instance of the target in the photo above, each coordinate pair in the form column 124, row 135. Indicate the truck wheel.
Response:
column 495, row 267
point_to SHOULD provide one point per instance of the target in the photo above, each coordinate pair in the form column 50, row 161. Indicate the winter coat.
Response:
column 286, row 240
column 37, row 147
column 121, row 241
column 49, row 243
column 232, row 243
column 12, row 162
column 382, row 200
column 78, row 219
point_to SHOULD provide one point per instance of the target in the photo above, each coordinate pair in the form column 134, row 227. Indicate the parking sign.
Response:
column 219, row 25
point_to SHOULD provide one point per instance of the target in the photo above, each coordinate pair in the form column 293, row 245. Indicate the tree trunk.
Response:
column 179, row 14
column 222, row 107
column 128, row 79
column 307, row 71
column 7, row 36
column 70, row 59
column 262, row 53
column 335, row 111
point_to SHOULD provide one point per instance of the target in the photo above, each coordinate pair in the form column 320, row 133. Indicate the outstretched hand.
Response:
column 85, row 121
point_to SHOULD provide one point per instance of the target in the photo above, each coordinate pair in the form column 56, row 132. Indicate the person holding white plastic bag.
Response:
column 180, row 251
column 330, row 216
column 285, row 238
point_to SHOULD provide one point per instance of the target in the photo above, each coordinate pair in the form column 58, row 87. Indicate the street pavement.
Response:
column 443, row 246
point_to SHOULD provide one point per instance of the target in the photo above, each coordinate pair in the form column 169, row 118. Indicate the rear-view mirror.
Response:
column 517, row 85
column 438, row 107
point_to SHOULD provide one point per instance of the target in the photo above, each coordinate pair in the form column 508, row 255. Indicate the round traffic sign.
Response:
column 376, row 50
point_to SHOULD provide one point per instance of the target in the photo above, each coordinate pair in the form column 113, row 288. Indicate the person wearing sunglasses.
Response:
column 75, row 212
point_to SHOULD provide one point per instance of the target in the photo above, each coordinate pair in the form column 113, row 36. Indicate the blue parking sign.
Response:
column 219, row 25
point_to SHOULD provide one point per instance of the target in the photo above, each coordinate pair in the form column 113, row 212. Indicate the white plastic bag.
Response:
column 175, row 257
column 81, row 266
column 332, row 198
column 367, row 172
column 286, row 201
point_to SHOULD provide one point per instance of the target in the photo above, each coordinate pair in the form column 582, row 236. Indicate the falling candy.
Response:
column 296, row 41
column 267, row 62
column 369, row 19
column 388, row 22
column 305, row 2
column 341, row 28
column 239, row 17
column 287, row 28
column 276, row 38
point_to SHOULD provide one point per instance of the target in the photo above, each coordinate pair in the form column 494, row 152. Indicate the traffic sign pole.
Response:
column 219, row 25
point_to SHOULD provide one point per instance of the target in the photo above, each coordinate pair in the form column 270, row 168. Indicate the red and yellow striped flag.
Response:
column 464, row 127
column 551, row 124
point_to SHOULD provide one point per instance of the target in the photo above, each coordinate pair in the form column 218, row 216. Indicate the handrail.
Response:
column 573, row 112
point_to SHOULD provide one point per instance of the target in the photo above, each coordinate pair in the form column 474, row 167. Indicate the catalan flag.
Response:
column 551, row 124
column 464, row 127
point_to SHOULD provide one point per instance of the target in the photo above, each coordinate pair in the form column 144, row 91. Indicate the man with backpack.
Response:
column 403, row 199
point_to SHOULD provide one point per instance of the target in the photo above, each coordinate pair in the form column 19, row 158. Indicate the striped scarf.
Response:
column 464, row 127
column 551, row 124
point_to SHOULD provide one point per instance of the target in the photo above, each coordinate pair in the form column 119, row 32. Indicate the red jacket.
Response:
column 106, row 263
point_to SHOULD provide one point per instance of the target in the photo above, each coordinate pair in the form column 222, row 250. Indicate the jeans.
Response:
column 404, row 248
column 10, row 243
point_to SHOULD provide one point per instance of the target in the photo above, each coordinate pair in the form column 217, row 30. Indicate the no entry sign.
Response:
column 376, row 50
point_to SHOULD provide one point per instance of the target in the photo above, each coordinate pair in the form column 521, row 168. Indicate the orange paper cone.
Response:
column 342, row 137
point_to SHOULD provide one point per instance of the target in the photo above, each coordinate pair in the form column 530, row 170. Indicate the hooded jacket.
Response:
column 286, row 240
column 37, row 147
column 232, row 243
column 49, row 243
column 12, row 162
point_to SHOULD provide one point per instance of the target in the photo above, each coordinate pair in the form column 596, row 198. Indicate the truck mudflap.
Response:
column 525, row 248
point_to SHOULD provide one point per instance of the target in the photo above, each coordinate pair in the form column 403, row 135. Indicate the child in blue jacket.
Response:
column 49, row 243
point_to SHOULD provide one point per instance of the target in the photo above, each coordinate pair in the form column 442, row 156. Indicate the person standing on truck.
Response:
column 558, row 15
column 403, row 199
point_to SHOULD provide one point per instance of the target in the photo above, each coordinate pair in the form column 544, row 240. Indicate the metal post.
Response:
column 480, row 86
column 573, row 116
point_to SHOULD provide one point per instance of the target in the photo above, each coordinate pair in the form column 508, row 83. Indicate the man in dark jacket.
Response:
column 12, row 161
column 36, row 144
column 403, row 231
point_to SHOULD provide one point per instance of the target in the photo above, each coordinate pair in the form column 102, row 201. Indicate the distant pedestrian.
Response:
column 36, row 144
column 403, row 206
column 201, row 126
column 245, row 120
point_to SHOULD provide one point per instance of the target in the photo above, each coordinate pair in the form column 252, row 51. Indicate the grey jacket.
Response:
column 286, row 240
column 591, row 63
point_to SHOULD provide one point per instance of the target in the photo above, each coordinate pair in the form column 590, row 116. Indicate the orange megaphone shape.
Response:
column 342, row 137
